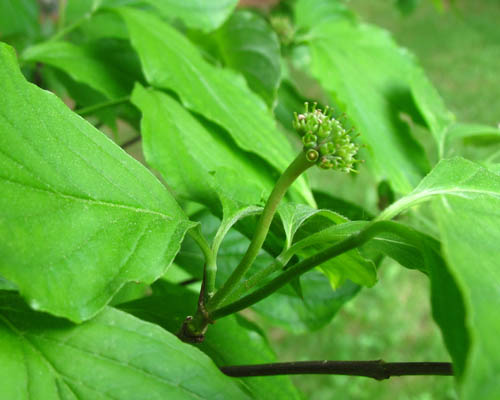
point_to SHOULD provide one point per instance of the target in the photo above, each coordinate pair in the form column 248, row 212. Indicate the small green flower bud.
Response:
column 312, row 155
column 326, row 141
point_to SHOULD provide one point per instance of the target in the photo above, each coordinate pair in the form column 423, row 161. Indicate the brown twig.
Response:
column 377, row 369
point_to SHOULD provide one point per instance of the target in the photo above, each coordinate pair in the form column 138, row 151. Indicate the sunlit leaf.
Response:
column 78, row 217
column 115, row 355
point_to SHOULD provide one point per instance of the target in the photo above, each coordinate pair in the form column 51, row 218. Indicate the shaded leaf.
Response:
column 248, row 44
column 102, row 66
column 79, row 217
column 112, row 356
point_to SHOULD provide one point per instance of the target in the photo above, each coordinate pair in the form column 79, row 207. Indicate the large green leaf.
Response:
column 219, row 95
column 113, row 356
column 466, row 201
column 78, row 216
column 368, row 75
column 200, row 154
column 232, row 340
column 102, row 68
column 249, row 45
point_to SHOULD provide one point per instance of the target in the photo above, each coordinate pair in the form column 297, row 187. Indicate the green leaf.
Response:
column 248, row 44
column 469, row 133
column 311, row 14
column 432, row 107
column 203, row 15
column 441, row 121
column 340, row 206
column 289, row 101
column 238, row 202
column 78, row 217
column 368, row 75
column 232, row 340
column 407, row 6
column 102, row 67
column 217, row 94
column 113, row 356
column 391, row 243
column 194, row 169
column 312, row 310
column 466, row 201
column 18, row 17
column 294, row 215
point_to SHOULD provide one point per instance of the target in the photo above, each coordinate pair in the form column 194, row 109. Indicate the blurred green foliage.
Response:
column 459, row 49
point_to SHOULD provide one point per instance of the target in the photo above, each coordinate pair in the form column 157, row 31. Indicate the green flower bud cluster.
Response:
column 326, row 141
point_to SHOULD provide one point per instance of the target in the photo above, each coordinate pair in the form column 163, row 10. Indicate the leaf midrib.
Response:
column 90, row 201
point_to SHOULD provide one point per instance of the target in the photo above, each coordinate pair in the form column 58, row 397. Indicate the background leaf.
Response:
column 79, row 217
column 248, row 44
column 197, row 14
column 18, row 17
column 112, row 356
column 85, row 65
column 209, row 91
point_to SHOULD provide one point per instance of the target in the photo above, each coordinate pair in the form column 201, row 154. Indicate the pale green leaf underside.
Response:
column 363, row 69
column 78, row 216
column 466, row 200
column 219, row 95
column 113, row 356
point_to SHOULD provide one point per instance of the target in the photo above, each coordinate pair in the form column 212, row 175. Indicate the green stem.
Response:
column 353, row 241
column 97, row 107
column 295, row 169
column 258, row 277
column 210, row 271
